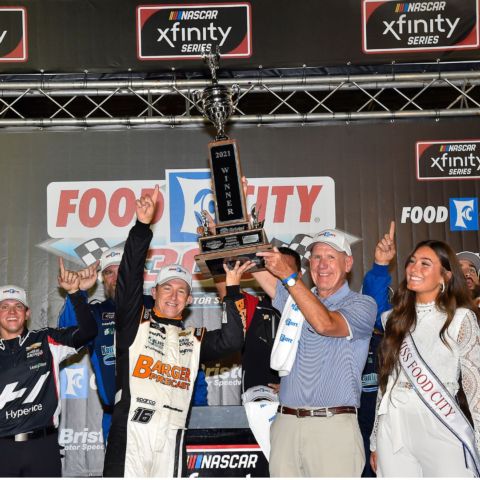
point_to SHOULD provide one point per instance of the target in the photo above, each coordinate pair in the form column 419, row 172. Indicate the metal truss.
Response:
column 68, row 101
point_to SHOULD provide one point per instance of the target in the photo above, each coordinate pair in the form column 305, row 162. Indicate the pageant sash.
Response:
column 439, row 401
column 286, row 340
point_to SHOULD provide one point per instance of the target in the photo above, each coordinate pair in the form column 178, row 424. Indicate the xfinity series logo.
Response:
column 463, row 214
column 390, row 25
column 187, row 30
column 13, row 34
column 74, row 382
column 448, row 160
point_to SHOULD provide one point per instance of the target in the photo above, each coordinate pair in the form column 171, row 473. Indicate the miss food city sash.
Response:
column 439, row 400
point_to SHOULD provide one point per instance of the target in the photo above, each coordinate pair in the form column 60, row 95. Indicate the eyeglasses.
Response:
column 470, row 271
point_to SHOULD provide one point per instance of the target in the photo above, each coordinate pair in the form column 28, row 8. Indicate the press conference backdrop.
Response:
column 63, row 191
column 128, row 36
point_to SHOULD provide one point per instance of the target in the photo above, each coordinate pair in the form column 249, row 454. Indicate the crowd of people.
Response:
column 321, row 348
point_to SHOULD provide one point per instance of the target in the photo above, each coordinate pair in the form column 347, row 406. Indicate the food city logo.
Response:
column 185, row 31
column 13, row 34
column 74, row 382
column 241, row 458
column 463, row 214
column 86, row 218
column 448, row 160
column 393, row 26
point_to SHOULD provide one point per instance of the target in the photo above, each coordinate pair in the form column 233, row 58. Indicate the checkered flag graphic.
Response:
column 91, row 250
column 299, row 243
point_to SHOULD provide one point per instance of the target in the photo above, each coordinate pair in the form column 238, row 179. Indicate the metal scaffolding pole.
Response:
column 60, row 101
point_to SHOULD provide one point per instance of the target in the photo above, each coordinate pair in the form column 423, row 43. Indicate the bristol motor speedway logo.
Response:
column 185, row 31
column 85, row 218
column 13, row 34
column 463, row 214
column 448, row 160
column 409, row 26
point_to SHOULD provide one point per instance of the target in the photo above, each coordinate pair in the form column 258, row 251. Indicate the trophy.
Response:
column 235, row 237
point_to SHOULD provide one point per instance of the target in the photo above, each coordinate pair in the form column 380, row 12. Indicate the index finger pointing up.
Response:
column 155, row 194
column 391, row 233
column 61, row 266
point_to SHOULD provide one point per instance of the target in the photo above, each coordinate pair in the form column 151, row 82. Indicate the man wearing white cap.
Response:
column 29, row 380
column 102, row 348
column 320, row 351
column 157, row 361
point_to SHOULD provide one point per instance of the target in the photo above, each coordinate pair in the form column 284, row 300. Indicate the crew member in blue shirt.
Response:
column 102, row 348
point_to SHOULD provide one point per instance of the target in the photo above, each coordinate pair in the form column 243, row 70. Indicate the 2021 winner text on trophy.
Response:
column 235, row 238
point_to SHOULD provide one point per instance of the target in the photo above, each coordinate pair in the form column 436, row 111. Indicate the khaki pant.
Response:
column 316, row 446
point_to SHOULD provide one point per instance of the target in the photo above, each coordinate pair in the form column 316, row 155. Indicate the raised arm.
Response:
column 129, row 289
column 87, row 327
column 377, row 280
column 88, row 278
column 229, row 338
column 322, row 320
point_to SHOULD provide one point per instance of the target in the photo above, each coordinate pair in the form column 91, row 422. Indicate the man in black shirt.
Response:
column 29, row 380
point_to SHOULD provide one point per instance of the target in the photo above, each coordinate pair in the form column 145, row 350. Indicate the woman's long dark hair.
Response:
column 404, row 318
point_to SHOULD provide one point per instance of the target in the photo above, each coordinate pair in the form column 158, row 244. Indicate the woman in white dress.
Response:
column 433, row 308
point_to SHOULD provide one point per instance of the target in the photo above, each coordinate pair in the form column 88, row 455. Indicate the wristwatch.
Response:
column 291, row 280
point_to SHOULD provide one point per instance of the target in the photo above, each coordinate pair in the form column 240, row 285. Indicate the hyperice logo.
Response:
column 74, row 382
column 463, row 214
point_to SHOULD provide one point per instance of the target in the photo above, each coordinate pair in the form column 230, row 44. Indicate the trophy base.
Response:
column 211, row 264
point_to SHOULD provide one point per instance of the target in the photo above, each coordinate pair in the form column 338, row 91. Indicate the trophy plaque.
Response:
column 236, row 237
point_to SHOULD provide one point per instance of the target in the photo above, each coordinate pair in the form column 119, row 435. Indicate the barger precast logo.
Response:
column 185, row 31
column 13, row 34
column 448, row 160
column 393, row 26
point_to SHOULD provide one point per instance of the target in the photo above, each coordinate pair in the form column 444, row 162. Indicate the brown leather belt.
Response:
column 316, row 412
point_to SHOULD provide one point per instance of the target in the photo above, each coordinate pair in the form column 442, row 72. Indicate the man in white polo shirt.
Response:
column 316, row 432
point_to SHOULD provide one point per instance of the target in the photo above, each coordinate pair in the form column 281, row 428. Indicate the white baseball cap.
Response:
column 172, row 271
column 471, row 257
column 334, row 238
column 260, row 392
column 112, row 256
column 12, row 292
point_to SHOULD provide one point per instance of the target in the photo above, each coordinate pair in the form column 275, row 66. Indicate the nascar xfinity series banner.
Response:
column 71, row 194
column 132, row 36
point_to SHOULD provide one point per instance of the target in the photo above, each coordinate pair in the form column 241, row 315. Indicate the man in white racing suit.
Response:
column 157, row 361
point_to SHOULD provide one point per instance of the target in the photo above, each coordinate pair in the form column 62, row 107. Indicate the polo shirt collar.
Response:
column 341, row 293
